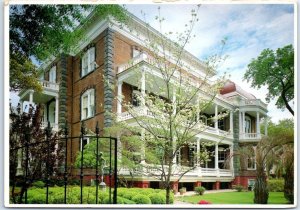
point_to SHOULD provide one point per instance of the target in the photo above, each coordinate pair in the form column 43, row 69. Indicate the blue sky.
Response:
column 249, row 28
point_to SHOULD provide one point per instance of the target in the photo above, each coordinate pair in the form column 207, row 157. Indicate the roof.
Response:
column 231, row 87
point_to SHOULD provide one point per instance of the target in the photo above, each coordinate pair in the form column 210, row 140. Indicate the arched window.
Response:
column 88, row 104
column 88, row 63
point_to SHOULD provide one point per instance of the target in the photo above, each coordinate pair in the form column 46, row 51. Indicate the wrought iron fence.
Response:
column 66, row 142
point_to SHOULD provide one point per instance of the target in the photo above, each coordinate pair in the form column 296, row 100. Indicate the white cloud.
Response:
column 249, row 28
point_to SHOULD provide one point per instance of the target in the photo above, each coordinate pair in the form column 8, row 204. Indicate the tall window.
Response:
column 251, row 163
column 247, row 124
column 88, row 104
column 88, row 63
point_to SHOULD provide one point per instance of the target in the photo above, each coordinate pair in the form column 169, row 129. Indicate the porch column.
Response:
column 198, row 152
column 216, row 156
column 257, row 124
column 266, row 125
column 216, row 116
column 240, row 122
column 21, row 106
column 174, row 102
column 143, row 146
column 143, row 86
column 119, row 147
column 231, row 122
column 244, row 124
column 119, row 104
column 31, row 97
column 56, row 112
column 174, row 149
column 231, row 157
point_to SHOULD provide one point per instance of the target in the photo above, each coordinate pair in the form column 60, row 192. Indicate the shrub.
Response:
column 276, row 185
column 200, row 190
column 157, row 198
column 129, row 195
column 239, row 188
column 127, row 201
column 38, row 184
column 204, row 202
column 141, row 199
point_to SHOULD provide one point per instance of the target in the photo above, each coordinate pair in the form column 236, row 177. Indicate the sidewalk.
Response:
column 190, row 193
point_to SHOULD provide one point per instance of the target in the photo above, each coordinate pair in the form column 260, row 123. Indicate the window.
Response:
column 203, row 119
column 88, row 63
column 251, row 163
column 88, row 104
column 135, row 52
column 247, row 124
column 84, row 141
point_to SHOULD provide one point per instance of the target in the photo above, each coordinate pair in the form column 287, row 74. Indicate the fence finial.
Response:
column 97, row 128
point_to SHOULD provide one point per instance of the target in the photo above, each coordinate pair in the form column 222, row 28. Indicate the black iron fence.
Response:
column 64, row 143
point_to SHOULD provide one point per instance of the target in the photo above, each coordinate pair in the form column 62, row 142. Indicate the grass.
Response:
column 234, row 198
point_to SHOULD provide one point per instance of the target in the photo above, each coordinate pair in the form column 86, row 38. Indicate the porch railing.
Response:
column 49, row 85
column 255, row 102
column 250, row 136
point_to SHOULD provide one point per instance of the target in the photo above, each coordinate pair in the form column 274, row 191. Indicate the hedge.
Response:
column 276, row 185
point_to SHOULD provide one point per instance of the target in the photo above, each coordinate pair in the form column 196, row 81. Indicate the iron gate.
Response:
column 67, row 141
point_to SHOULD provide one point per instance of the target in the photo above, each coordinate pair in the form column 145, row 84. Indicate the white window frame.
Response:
column 84, row 139
column 88, row 61
column 89, row 105
column 254, row 163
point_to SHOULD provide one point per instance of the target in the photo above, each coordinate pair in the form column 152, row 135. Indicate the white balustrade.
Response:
column 255, row 102
column 44, row 125
column 49, row 85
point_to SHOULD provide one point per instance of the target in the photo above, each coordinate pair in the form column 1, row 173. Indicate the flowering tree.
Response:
column 30, row 151
column 168, row 116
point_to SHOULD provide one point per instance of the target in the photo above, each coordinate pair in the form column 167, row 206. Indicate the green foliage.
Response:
column 200, row 190
column 157, row 198
column 40, row 31
column 239, row 188
column 275, row 185
column 141, row 199
column 38, row 184
column 276, row 71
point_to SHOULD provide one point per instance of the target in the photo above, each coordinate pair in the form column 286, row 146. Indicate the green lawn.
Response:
column 233, row 198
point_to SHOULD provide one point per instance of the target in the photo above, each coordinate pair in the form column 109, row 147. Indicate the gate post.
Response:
column 27, row 139
column 66, row 162
column 48, row 134
column 97, row 160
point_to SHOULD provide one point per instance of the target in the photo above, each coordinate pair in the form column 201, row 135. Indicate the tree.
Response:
column 25, row 130
column 168, row 116
column 274, row 150
column 40, row 31
column 276, row 71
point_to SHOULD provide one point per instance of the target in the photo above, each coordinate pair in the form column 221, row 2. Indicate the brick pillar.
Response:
column 216, row 185
column 197, row 184
column 175, row 187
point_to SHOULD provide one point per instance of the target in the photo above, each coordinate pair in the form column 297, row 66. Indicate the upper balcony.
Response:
column 49, row 89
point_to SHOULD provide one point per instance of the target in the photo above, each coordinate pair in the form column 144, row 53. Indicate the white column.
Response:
column 240, row 122
column 244, row 124
column 231, row 157
column 119, row 147
column 198, row 152
column 56, row 112
column 119, row 104
column 216, row 116
column 143, row 146
column 216, row 156
column 143, row 86
column 231, row 122
column 21, row 106
column 257, row 124
column 174, row 101
column 266, row 125
column 31, row 96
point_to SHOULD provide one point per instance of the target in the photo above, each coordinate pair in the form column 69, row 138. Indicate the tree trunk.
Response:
column 168, row 190
column 289, row 181
column 261, row 193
